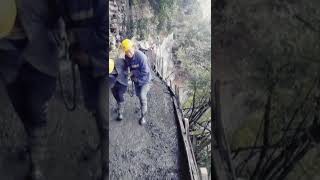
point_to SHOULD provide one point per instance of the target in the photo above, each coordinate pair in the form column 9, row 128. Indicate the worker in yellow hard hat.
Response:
column 127, row 46
column 118, row 76
column 139, row 67
column 8, row 13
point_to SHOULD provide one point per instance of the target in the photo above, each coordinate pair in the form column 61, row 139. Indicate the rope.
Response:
column 73, row 105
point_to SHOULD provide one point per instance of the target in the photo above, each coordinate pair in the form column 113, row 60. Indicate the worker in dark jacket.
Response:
column 120, row 74
column 29, row 68
column 140, row 74
column 86, row 25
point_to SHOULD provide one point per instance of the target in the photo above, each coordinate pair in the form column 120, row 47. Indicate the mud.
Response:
column 150, row 152
column 71, row 144
column 146, row 152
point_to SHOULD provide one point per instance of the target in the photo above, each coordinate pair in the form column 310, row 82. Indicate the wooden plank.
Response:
column 193, row 170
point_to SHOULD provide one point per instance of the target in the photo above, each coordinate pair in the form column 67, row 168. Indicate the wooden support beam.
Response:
column 182, row 122
column 204, row 173
column 193, row 167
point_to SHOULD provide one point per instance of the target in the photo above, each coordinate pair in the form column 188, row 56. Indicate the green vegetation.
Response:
column 193, row 38
column 275, row 47
column 165, row 11
column 142, row 28
column 193, row 49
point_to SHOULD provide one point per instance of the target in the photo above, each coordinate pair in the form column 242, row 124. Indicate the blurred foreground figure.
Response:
column 29, row 56
column 29, row 68
column 137, row 62
column 86, row 25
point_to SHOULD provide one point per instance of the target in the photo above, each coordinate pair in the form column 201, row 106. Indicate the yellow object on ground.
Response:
column 126, row 44
column 8, row 13
column 111, row 65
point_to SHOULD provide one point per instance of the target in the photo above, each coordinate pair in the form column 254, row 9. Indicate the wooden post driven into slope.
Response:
column 223, row 166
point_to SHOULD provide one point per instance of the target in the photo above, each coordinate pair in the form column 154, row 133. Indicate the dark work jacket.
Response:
column 139, row 67
column 122, row 71
column 40, row 49
column 86, row 24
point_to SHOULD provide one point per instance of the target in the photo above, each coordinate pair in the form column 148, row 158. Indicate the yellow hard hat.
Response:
column 8, row 13
column 126, row 44
column 111, row 65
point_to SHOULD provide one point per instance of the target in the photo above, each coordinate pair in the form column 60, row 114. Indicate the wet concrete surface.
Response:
column 146, row 152
column 153, row 151
column 72, row 141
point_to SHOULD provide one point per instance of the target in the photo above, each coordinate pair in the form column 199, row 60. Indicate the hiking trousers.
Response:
column 30, row 93
column 141, row 93
column 95, row 92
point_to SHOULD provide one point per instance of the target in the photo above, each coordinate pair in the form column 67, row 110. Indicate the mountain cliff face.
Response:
column 139, row 21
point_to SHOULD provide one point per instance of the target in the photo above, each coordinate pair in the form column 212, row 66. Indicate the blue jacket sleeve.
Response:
column 144, row 71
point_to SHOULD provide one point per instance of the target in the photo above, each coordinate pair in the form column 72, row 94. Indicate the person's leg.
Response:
column 9, row 68
column 40, row 91
column 115, row 95
column 115, row 92
column 95, row 92
column 10, row 64
column 143, row 98
column 118, row 92
column 103, row 124
column 142, row 95
column 112, row 81
column 89, row 86
column 17, row 96
column 122, row 90
column 30, row 95
column 137, row 91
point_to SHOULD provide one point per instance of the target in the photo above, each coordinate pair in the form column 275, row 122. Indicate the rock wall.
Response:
column 117, row 19
column 137, row 20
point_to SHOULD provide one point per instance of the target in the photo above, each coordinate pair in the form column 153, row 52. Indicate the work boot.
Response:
column 142, row 121
column 37, row 155
column 143, row 111
column 120, row 111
